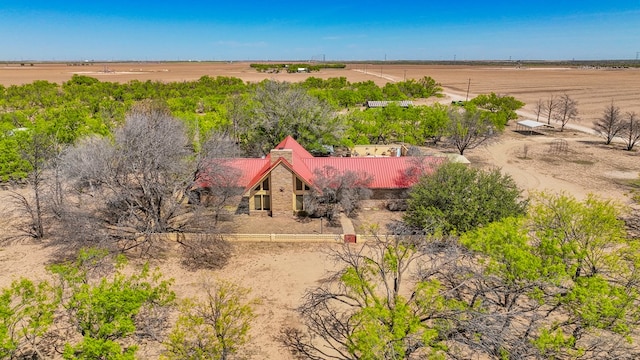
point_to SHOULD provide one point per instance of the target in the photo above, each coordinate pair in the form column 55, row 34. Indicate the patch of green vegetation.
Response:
column 635, row 189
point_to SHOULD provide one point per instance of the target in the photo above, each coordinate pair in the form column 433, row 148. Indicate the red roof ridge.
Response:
column 290, row 143
column 301, row 171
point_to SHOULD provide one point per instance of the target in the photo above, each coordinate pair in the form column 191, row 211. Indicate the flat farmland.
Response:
column 593, row 88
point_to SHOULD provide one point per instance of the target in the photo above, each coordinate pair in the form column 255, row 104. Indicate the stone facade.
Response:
column 282, row 196
column 276, row 154
column 281, row 184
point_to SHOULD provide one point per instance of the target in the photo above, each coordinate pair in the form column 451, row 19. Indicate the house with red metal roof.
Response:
column 276, row 184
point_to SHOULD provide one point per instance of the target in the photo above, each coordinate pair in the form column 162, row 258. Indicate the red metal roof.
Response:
column 387, row 172
column 301, row 170
column 248, row 168
column 291, row 143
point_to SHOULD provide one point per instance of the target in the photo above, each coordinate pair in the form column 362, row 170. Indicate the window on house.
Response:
column 261, row 199
column 300, row 186
column 299, row 202
column 262, row 202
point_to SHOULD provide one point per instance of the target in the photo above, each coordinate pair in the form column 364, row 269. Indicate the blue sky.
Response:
column 335, row 30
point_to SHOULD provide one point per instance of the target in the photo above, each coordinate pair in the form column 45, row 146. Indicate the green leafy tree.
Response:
column 391, row 91
column 104, row 312
column 12, row 165
column 366, row 90
column 429, row 124
column 423, row 88
column 561, row 282
column 363, row 126
column 456, row 198
column 216, row 327
column 26, row 313
column 501, row 108
column 370, row 309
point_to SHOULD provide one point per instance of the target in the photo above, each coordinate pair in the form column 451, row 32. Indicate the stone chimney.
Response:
column 287, row 154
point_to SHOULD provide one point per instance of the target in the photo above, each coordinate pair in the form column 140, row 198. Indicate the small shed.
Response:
column 530, row 125
column 385, row 103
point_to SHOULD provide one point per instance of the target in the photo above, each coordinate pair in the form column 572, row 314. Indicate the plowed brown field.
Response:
column 594, row 88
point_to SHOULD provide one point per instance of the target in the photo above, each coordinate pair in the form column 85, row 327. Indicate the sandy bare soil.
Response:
column 278, row 274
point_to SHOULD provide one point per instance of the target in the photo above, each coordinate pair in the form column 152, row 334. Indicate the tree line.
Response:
column 85, row 106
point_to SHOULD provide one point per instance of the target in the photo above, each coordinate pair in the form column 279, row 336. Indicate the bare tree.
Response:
column 540, row 108
column 204, row 251
column 566, row 111
column 215, row 182
column 277, row 110
column 36, row 149
column 335, row 190
column 132, row 187
column 631, row 130
column 468, row 129
column 610, row 124
column 550, row 107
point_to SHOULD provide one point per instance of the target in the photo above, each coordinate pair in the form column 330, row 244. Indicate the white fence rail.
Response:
column 333, row 238
column 275, row 238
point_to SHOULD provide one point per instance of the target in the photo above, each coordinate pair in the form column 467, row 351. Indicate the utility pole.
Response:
column 468, row 86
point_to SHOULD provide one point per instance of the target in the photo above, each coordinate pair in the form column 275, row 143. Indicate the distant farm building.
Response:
column 383, row 104
column 379, row 150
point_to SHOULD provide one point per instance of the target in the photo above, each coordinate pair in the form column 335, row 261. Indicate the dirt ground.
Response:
column 572, row 161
